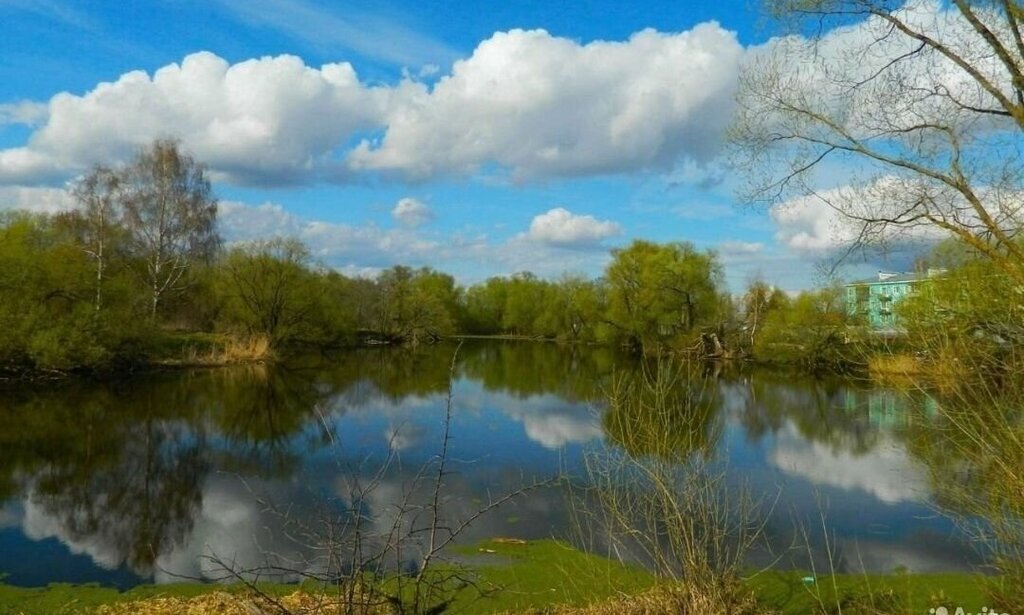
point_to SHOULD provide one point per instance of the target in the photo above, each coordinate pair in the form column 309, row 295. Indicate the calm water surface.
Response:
column 144, row 480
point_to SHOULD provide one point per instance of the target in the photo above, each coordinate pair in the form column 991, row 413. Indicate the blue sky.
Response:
column 477, row 138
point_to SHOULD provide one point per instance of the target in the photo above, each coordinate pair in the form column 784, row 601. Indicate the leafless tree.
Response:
column 917, row 106
column 170, row 213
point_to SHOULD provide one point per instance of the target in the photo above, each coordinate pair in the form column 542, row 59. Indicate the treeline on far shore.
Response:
column 74, row 295
column 137, row 274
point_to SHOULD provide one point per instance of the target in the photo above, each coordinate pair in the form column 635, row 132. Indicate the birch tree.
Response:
column 170, row 213
column 97, row 195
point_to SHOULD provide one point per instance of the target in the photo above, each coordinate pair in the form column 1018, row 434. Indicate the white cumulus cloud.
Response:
column 561, row 227
column 839, row 216
column 541, row 105
column 526, row 102
column 267, row 120
column 412, row 212
column 807, row 224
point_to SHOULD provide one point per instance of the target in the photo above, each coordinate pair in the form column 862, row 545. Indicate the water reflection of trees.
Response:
column 694, row 399
column 141, row 503
column 128, row 464
column 120, row 466
column 124, row 465
column 972, row 444
column 524, row 369
column 258, row 412
column 668, row 411
column 848, row 416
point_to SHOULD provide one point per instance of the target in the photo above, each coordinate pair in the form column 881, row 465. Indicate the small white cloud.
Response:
column 25, row 112
column 412, row 212
column 364, row 250
column 739, row 248
column 561, row 227
column 806, row 224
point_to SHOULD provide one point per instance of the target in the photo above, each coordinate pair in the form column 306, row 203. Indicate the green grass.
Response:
column 536, row 574
column 542, row 573
column 788, row 592
column 54, row 599
column 516, row 577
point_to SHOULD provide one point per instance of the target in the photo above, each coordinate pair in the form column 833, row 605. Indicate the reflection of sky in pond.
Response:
column 230, row 447
column 887, row 473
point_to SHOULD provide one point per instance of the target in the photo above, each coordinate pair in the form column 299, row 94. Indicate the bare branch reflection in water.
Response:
column 381, row 542
column 662, row 496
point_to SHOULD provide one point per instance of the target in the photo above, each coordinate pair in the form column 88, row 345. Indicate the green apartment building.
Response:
column 874, row 299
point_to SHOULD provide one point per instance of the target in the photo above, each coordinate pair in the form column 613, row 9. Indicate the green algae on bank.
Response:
column 545, row 574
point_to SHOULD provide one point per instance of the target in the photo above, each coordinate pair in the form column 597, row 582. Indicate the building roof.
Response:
column 890, row 278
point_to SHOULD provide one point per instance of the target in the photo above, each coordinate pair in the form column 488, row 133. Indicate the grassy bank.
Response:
column 539, row 576
column 207, row 350
column 164, row 350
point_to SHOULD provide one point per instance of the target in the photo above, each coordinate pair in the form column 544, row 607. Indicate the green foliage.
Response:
column 658, row 291
column 416, row 304
column 48, row 316
column 812, row 329
column 269, row 290
column 71, row 299
column 569, row 309
column 72, row 296
column 973, row 313
column 760, row 300
column 651, row 295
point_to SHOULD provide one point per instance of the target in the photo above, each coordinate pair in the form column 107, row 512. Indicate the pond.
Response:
column 160, row 477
